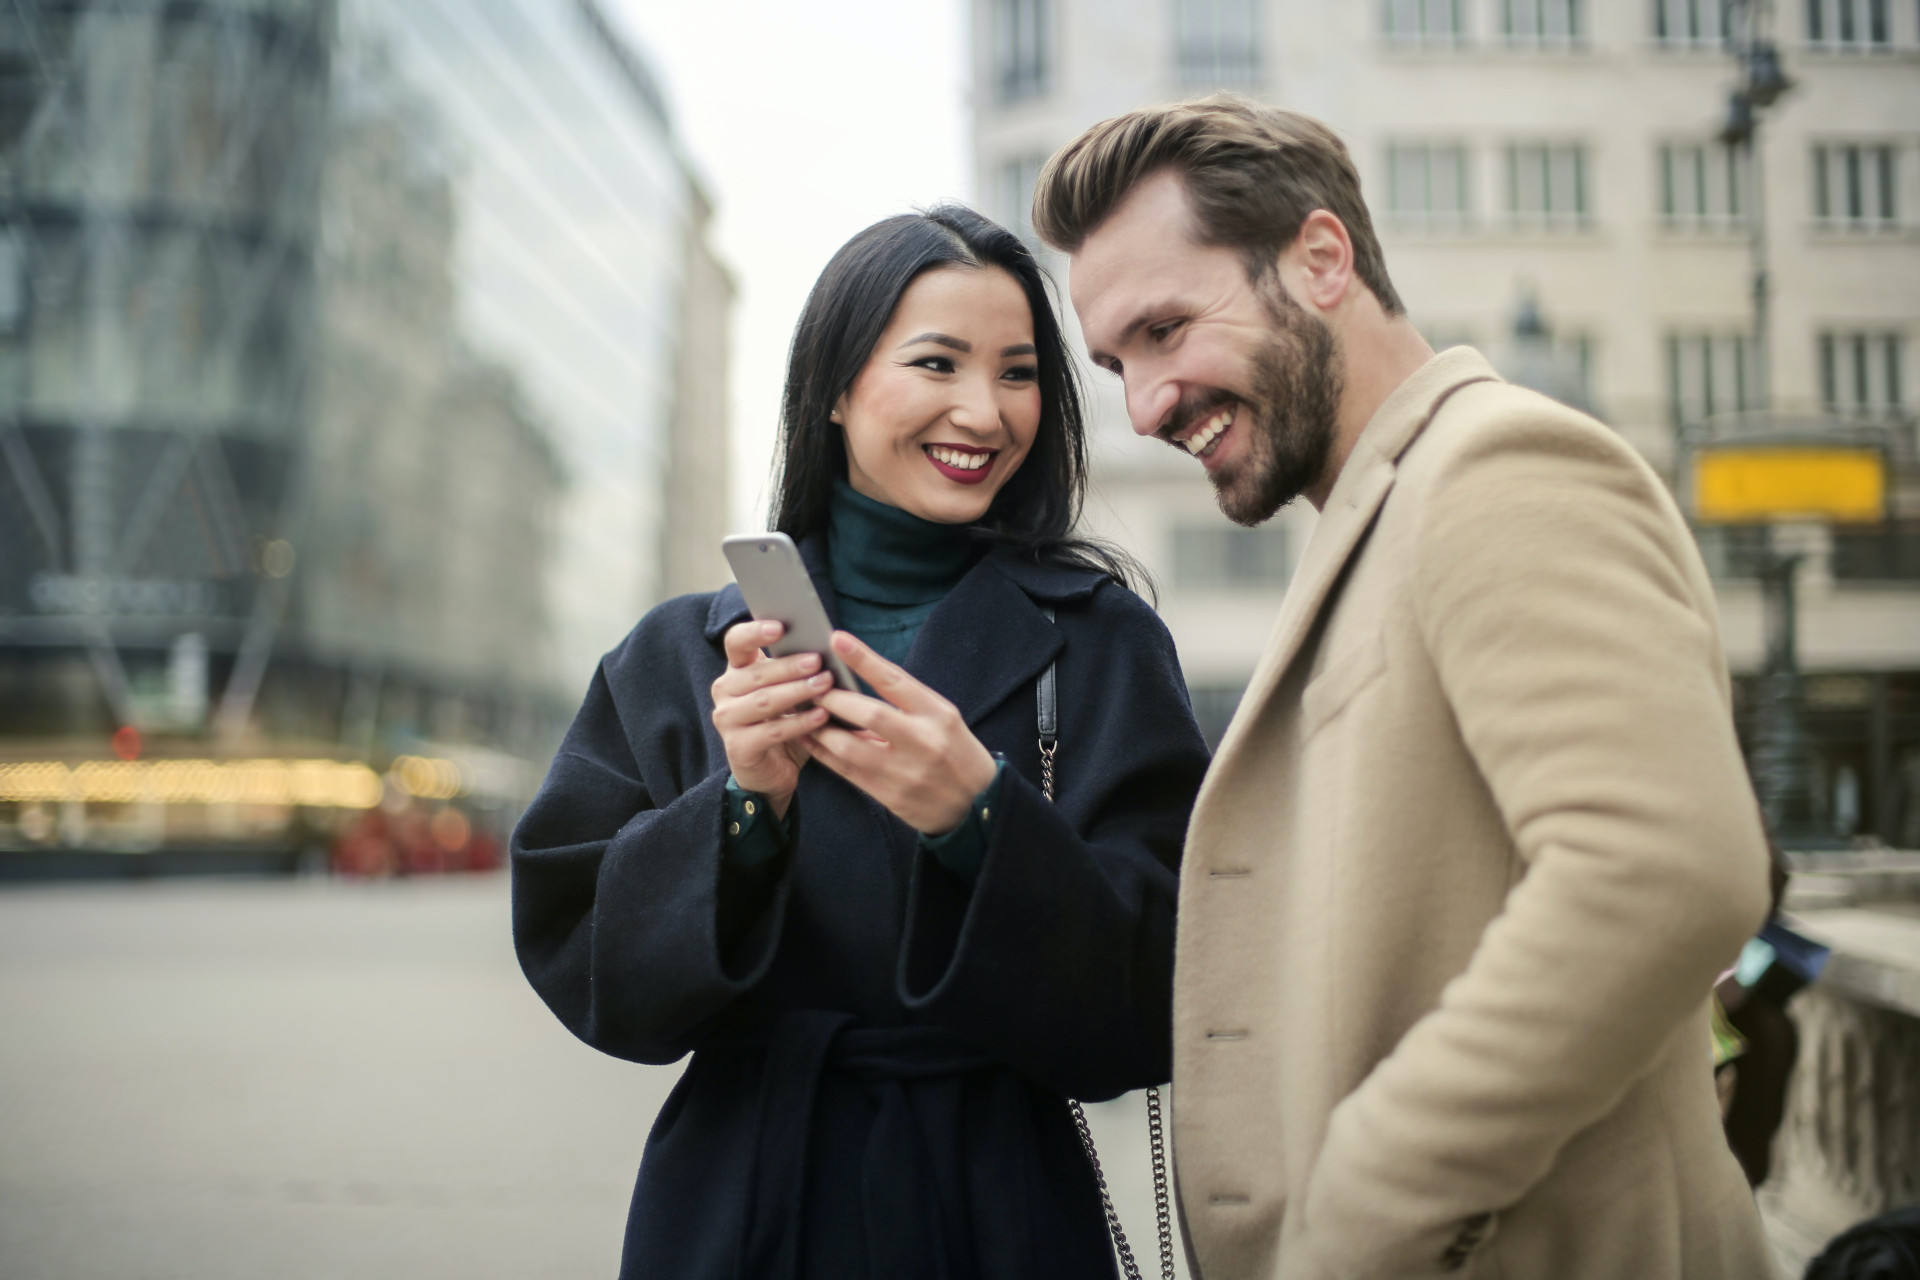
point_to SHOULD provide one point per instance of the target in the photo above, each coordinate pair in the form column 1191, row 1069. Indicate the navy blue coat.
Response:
column 881, row 1052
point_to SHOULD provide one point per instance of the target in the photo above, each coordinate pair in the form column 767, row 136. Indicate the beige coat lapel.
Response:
column 1357, row 495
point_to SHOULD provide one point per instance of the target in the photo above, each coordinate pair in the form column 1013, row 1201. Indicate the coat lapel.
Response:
column 1356, row 499
column 989, row 637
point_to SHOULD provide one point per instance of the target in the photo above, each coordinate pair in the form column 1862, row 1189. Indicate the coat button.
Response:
column 733, row 828
column 749, row 808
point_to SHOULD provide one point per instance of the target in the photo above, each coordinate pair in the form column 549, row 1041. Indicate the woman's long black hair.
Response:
column 851, row 303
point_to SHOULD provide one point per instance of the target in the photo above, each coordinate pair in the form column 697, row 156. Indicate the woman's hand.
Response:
column 754, row 708
column 913, row 753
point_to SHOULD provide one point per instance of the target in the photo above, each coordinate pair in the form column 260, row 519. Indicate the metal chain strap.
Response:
column 1156, row 1131
column 1162, row 1202
column 1127, row 1264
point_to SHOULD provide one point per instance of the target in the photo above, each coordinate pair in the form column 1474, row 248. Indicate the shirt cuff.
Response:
column 753, row 833
column 963, row 850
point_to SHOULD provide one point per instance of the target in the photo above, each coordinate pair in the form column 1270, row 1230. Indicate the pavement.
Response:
column 309, row 1078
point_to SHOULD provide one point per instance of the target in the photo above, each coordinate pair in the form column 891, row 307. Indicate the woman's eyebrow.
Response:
column 958, row 344
column 1018, row 349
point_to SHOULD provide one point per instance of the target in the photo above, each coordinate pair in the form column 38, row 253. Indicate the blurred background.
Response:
column 368, row 367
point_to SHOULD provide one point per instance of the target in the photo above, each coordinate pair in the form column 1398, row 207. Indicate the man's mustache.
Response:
column 1191, row 410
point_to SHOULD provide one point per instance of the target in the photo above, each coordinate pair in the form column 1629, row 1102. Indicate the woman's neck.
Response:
column 879, row 553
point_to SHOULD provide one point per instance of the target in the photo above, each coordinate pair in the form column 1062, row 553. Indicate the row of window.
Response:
column 1861, row 374
column 1827, row 24
column 1853, row 185
column 1217, row 42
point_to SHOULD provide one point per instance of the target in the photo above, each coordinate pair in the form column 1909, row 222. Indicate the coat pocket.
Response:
column 1330, row 691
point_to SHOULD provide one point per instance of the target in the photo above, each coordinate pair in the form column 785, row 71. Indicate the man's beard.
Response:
column 1295, row 381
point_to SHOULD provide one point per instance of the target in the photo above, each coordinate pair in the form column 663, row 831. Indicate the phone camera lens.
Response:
column 763, row 548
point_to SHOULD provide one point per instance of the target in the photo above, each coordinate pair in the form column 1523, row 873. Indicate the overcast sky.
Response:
column 807, row 121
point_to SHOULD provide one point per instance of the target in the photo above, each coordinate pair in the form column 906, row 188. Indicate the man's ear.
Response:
column 1320, row 261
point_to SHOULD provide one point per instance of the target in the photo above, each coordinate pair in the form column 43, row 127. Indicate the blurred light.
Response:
column 321, row 784
column 126, row 742
column 427, row 778
column 277, row 557
column 451, row 829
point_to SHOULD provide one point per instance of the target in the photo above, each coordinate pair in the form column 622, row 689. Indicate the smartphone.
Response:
column 777, row 588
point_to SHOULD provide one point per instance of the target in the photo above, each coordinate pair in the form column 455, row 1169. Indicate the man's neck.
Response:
column 1379, row 352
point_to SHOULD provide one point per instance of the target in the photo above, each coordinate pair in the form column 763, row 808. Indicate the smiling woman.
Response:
column 897, row 944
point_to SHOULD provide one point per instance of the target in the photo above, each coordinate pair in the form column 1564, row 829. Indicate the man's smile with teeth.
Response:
column 1203, row 436
column 965, row 460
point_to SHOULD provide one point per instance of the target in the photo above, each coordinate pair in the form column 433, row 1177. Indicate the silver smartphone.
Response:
column 774, row 581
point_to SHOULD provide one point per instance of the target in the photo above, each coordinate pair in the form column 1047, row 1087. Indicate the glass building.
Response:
column 360, row 364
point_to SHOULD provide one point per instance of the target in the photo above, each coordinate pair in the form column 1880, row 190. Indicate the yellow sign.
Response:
column 1753, row 484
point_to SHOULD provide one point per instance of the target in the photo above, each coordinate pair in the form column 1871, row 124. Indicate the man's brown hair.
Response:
column 1252, row 174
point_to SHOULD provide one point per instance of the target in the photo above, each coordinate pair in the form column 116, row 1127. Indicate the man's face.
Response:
column 1233, row 372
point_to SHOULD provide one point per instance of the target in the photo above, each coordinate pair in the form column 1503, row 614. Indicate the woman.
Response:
column 892, row 958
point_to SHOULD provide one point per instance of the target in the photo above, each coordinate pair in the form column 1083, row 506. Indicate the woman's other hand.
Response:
column 755, row 708
column 913, row 752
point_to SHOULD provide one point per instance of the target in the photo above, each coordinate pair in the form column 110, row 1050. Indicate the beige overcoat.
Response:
column 1467, row 863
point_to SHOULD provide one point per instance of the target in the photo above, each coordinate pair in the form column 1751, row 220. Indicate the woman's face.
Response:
column 946, row 407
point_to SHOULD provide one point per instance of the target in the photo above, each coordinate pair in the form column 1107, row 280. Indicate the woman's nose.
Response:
column 975, row 406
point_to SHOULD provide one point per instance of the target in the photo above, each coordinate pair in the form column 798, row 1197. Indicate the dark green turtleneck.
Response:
column 890, row 569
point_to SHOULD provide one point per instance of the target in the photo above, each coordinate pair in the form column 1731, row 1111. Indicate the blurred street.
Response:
column 298, row 1079
column 316, row 1079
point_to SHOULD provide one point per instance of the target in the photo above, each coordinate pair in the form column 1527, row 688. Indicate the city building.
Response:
column 1548, row 183
column 350, row 356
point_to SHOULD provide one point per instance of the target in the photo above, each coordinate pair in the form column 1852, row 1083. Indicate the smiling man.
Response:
column 1480, row 838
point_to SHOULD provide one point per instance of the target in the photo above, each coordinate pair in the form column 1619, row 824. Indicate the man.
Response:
column 1479, row 839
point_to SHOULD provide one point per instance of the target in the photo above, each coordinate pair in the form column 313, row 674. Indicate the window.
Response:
column 1022, row 48
column 1850, row 24
column 13, row 282
column 1014, row 183
column 1427, row 182
column 1690, row 22
column 1708, row 374
column 1547, row 183
column 1228, row 556
column 1217, row 42
column 1856, row 186
column 1543, row 22
column 1213, row 708
column 1703, row 184
column 1422, row 21
column 1860, row 374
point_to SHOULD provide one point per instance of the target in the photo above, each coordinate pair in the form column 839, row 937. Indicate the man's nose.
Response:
column 1149, row 404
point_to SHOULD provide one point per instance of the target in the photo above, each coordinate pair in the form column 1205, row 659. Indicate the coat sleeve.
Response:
column 624, row 918
column 1570, row 625
column 1060, row 956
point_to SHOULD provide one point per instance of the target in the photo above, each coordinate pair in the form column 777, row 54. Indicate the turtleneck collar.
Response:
column 884, row 555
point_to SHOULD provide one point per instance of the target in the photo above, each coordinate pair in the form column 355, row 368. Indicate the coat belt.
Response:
column 914, row 1210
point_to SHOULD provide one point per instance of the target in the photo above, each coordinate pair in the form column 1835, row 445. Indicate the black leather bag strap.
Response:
column 1047, row 718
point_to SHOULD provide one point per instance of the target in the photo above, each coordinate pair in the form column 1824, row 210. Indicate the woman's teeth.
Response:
column 955, row 458
column 1198, row 442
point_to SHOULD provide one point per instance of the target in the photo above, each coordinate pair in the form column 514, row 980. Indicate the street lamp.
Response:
column 1781, row 759
column 1762, row 82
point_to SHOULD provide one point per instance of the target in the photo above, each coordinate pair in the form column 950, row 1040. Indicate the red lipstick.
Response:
column 961, row 475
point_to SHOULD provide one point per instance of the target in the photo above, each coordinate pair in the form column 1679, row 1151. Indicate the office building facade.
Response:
column 1548, row 184
column 347, row 353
